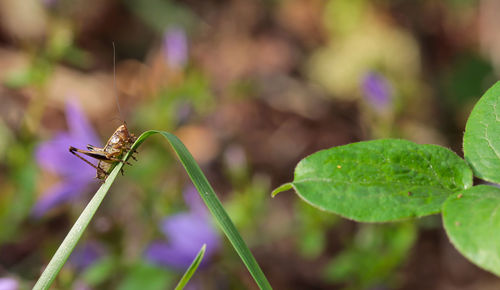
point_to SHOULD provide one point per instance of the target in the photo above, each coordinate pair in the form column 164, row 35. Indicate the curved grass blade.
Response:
column 213, row 203
column 204, row 189
column 74, row 235
column 192, row 268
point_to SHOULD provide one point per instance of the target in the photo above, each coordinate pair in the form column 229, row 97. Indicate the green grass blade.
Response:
column 192, row 268
column 74, row 235
column 213, row 203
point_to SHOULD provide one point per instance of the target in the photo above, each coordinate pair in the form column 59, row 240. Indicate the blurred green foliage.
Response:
column 467, row 79
column 148, row 277
column 312, row 229
column 428, row 51
column 373, row 255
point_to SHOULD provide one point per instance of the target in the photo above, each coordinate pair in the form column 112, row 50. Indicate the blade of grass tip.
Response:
column 74, row 235
column 215, row 206
column 192, row 268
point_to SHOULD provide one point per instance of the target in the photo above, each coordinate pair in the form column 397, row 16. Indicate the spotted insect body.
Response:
column 117, row 146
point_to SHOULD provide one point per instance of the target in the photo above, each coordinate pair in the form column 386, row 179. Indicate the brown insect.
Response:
column 117, row 146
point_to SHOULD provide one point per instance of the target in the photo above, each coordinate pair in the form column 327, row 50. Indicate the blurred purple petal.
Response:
column 194, row 201
column 186, row 233
column 85, row 255
column 53, row 155
column 57, row 195
column 377, row 90
column 79, row 127
column 165, row 255
column 9, row 284
column 175, row 45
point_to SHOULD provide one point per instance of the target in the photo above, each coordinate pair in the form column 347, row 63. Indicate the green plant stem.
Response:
column 75, row 234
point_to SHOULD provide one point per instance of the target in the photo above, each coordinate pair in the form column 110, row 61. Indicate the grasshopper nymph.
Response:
column 117, row 146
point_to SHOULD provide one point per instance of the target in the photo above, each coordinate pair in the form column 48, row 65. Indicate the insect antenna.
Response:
column 115, row 119
column 114, row 83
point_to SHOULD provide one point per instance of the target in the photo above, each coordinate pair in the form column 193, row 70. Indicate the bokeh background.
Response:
column 251, row 87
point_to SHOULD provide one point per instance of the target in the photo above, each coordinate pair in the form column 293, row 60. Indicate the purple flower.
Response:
column 175, row 47
column 53, row 155
column 9, row 284
column 377, row 90
column 86, row 254
column 186, row 233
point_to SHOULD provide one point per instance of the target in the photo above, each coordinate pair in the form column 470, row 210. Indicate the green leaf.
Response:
column 471, row 219
column 381, row 180
column 204, row 189
column 482, row 136
column 192, row 268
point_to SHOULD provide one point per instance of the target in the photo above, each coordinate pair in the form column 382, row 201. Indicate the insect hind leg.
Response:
column 94, row 148
column 74, row 151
